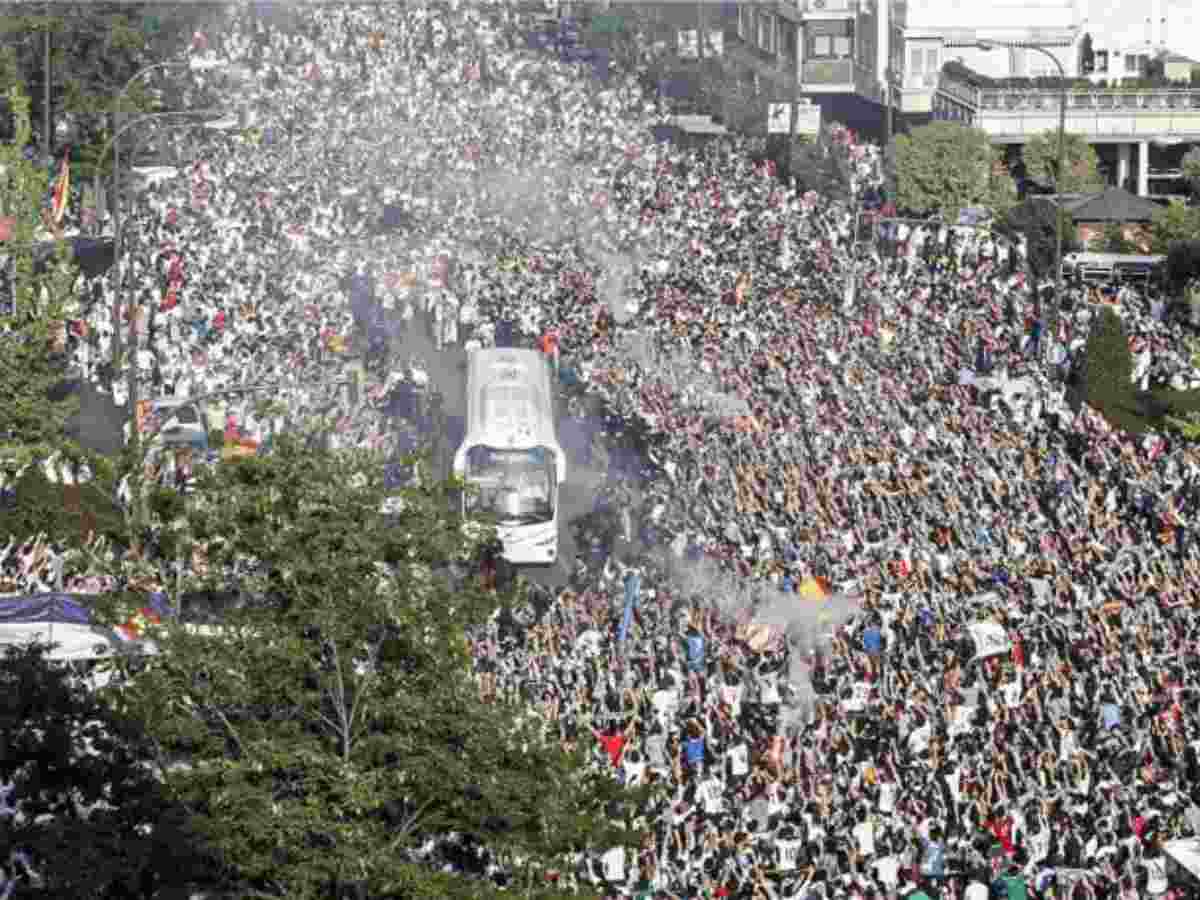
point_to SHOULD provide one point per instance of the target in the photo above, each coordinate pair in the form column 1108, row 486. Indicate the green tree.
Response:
column 1035, row 219
column 1173, row 223
column 944, row 167
column 1113, row 240
column 815, row 166
column 1191, row 170
column 331, row 724
column 95, row 49
column 33, row 314
column 92, row 816
column 1081, row 172
column 1183, row 265
column 1087, row 56
column 1108, row 364
column 64, row 512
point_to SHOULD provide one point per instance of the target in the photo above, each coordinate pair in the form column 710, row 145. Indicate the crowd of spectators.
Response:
column 1006, row 697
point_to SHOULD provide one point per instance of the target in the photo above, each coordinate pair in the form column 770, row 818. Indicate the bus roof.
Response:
column 510, row 402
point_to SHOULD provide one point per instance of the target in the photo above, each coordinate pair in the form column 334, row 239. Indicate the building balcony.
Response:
column 838, row 76
column 917, row 92
column 1012, row 116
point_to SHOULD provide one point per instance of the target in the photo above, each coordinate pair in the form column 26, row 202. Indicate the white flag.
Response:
column 990, row 639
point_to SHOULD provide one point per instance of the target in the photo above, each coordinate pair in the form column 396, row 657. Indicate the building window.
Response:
column 829, row 40
column 1101, row 60
column 788, row 40
column 916, row 61
column 932, row 63
column 766, row 32
column 746, row 21
column 1131, row 64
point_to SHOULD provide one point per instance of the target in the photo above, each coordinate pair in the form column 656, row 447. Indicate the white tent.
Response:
column 72, row 641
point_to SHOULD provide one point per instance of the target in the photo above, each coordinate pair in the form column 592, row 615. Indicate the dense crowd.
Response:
column 1002, row 695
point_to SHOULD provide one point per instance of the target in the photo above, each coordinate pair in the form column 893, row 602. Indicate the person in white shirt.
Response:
column 711, row 793
column 738, row 759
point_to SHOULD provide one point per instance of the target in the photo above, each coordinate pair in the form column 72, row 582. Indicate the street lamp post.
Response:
column 132, row 387
column 113, row 142
column 1052, row 325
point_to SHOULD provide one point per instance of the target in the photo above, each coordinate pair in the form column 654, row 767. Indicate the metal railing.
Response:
column 1013, row 99
column 964, row 93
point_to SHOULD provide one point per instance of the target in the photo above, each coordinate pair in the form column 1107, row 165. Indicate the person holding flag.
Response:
column 60, row 199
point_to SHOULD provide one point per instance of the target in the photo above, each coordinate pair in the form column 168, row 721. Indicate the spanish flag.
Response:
column 137, row 624
column 62, row 190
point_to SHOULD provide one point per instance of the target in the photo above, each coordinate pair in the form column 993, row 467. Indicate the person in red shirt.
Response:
column 613, row 741
column 549, row 344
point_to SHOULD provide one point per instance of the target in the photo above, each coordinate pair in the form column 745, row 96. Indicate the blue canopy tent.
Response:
column 64, row 621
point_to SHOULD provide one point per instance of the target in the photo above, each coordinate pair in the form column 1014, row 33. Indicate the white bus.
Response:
column 510, row 460
column 1111, row 266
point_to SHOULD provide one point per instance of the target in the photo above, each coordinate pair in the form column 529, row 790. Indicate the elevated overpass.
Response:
column 1138, row 122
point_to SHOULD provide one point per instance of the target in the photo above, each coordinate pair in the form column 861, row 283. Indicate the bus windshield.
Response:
column 516, row 487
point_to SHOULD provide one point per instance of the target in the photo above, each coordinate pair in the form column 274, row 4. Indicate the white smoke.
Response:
column 807, row 624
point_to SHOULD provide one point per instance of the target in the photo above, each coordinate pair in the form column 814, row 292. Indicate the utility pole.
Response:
column 793, row 116
column 46, row 99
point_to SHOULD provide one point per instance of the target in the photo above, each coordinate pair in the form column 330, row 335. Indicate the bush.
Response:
column 1108, row 364
column 68, row 512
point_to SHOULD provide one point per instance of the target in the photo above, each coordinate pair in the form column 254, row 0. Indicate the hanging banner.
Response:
column 808, row 118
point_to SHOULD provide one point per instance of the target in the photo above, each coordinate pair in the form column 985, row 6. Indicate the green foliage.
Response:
column 1081, row 172
column 817, row 167
column 68, row 513
column 1183, row 265
column 1174, row 223
column 1191, row 170
column 1035, row 218
column 29, row 363
column 1113, row 240
column 1187, row 428
column 95, row 49
column 1108, row 364
column 332, row 722
column 944, row 167
column 1087, row 56
column 94, row 818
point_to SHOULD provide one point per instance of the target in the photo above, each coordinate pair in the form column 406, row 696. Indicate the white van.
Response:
column 510, row 460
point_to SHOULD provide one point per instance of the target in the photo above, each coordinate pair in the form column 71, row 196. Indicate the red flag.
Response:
column 137, row 624
column 62, row 190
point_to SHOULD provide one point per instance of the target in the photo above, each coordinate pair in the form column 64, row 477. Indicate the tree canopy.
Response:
column 331, row 723
column 1081, row 166
column 90, row 815
column 35, row 305
column 1108, row 364
column 95, row 49
column 1191, row 170
column 1035, row 218
column 945, row 167
column 1174, row 223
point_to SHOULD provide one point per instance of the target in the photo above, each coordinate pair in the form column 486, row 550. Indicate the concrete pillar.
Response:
column 1143, row 182
column 1123, row 164
column 883, row 40
column 799, row 53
